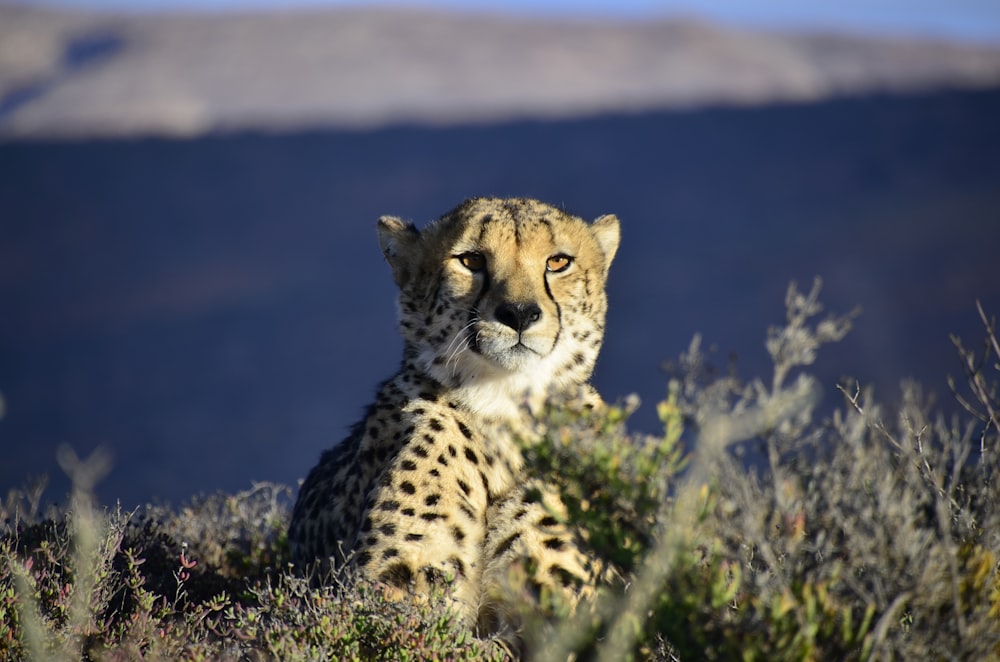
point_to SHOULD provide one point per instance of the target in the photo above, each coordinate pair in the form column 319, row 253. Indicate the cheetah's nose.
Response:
column 518, row 316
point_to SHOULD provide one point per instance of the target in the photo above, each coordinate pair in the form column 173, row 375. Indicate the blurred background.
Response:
column 189, row 274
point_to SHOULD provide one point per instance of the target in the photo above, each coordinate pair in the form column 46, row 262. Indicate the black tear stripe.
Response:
column 479, row 297
column 559, row 326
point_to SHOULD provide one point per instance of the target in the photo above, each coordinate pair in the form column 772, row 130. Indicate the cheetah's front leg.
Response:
column 423, row 529
column 527, row 530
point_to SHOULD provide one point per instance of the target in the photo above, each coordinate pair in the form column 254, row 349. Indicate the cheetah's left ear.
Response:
column 607, row 231
column 396, row 238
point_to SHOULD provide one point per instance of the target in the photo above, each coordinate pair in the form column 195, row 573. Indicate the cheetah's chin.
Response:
column 515, row 355
column 516, row 358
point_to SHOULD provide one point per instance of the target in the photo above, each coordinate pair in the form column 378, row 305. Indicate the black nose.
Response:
column 518, row 316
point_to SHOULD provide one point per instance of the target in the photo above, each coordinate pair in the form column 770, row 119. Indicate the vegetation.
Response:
column 862, row 534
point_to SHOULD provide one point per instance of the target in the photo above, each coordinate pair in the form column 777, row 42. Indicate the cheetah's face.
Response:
column 506, row 295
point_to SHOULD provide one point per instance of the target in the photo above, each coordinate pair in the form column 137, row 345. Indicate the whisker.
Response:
column 453, row 350
column 459, row 335
column 453, row 357
column 461, row 348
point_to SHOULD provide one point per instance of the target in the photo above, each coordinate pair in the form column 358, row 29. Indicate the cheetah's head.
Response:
column 502, row 297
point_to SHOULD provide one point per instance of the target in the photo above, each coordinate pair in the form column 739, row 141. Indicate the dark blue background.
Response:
column 216, row 310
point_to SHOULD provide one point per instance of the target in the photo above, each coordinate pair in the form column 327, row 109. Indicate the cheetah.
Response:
column 501, row 303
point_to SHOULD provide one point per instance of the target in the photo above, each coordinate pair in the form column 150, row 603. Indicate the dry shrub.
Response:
column 864, row 534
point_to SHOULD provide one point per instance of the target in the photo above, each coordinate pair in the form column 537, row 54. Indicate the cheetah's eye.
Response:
column 558, row 262
column 472, row 261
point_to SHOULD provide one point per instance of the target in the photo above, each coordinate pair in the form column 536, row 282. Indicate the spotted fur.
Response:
column 501, row 302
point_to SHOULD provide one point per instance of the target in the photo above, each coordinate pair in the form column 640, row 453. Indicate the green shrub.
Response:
column 868, row 534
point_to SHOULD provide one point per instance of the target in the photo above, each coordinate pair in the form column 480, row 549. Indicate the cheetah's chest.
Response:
column 443, row 440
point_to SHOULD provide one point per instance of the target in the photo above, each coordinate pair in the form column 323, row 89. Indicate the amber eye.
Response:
column 472, row 261
column 558, row 262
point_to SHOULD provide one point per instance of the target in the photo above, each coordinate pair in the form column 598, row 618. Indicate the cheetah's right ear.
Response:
column 396, row 238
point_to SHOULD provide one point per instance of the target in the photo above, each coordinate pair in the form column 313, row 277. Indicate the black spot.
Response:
column 531, row 496
column 388, row 529
column 452, row 451
column 554, row 543
column 430, row 517
column 462, row 485
column 548, row 520
column 442, row 460
column 389, row 553
column 458, row 565
column 435, row 473
column 408, row 465
column 371, row 540
column 398, row 574
column 464, row 429
column 389, row 506
column 434, row 576
column 363, row 559
column 409, row 512
column 507, row 543
column 564, row 576
column 413, row 537
column 471, row 456
column 486, row 482
column 419, row 451
column 521, row 512
column 408, row 487
column 458, row 533
column 435, row 425
column 429, row 439
column 468, row 511
column 419, row 411
column 432, row 499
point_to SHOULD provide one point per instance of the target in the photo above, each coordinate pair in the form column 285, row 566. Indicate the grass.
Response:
column 867, row 533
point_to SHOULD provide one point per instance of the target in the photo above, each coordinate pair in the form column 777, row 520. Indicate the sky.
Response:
column 977, row 20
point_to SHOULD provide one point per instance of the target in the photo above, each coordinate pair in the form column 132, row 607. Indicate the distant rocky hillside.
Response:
column 73, row 73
